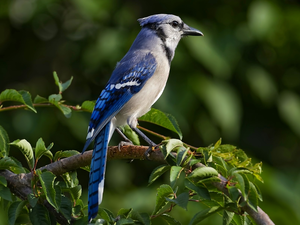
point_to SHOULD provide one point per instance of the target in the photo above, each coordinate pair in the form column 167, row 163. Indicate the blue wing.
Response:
column 127, row 79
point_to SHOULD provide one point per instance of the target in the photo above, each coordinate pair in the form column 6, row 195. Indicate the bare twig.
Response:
column 22, row 106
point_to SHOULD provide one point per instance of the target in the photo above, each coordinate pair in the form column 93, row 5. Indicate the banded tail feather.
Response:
column 97, row 172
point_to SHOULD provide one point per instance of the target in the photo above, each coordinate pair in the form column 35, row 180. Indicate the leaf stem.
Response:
column 152, row 132
column 166, row 211
column 162, row 136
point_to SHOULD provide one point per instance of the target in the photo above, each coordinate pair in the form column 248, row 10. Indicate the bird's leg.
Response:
column 122, row 143
column 151, row 143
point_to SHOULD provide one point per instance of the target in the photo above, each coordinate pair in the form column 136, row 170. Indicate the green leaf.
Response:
column 157, row 172
column 227, row 217
column 27, row 99
column 54, row 98
column 4, row 143
column 169, row 145
column 32, row 200
column 209, row 180
column 66, row 84
column 58, row 195
column 61, row 86
column 144, row 218
column 169, row 220
column 162, row 119
column 17, row 96
column 181, row 153
column 50, row 146
column 204, row 214
column 76, row 192
column 181, row 200
column 70, row 178
column 15, row 210
column 39, row 99
column 242, row 184
column 194, row 161
column 88, row 106
column 47, row 181
column 40, row 150
column 259, row 195
column 129, row 133
column 163, row 192
column 218, row 199
column 3, row 181
column 125, row 221
column 237, row 219
column 124, row 212
column 65, row 154
column 77, row 210
column 57, row 82
column 39, row 215
column 199, row 189
column 65, row 110
column 240, row 170
column 66, row 207
column 106, row 214
column 218, row 143
column 18, row 168
column 48, row 153
column 26, row 149
column 5, row 193
column 221, row 165
column 187, row 159
column 203, row 172
column 252, row 197
column 11, row 95
column 81, row 221
column 174, row 175
column 233, row 193
column 8, row 163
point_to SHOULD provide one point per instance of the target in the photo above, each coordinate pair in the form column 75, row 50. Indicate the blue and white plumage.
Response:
column 136, row 83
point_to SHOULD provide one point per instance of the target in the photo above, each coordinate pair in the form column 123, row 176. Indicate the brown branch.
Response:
column 21, row 182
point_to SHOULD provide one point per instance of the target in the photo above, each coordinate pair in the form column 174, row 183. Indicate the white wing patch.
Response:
column 129, row 83
column 90, row 134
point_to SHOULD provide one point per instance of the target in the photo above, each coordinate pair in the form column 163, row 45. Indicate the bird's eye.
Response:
column 175, row 24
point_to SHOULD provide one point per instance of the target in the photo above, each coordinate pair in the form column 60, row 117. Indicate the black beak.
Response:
column 190, row 31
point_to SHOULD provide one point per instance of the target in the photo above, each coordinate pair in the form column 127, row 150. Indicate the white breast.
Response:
column 142, row 101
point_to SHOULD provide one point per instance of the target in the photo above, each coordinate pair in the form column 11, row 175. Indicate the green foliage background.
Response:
column 240, row 81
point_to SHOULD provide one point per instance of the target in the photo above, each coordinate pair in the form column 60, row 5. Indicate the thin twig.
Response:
column 12, row 107
column 162, row 136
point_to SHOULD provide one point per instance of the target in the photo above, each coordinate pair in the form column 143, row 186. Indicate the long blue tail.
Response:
column 97, row 172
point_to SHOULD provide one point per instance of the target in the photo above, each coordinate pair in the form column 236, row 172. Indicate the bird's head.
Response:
column 169, row 28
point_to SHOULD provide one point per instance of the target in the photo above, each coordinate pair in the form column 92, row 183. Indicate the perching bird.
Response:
column 134, row 86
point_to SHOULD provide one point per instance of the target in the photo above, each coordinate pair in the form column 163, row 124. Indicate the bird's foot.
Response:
column 150, row 150
column 124, row 143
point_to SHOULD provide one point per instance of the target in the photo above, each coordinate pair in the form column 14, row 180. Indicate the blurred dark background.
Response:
column 241, row 82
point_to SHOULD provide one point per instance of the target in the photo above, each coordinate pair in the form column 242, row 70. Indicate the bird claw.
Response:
column 124, row 143
column 149, row 150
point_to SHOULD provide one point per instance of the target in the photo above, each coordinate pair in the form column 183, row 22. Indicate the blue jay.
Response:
column 134, row 86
